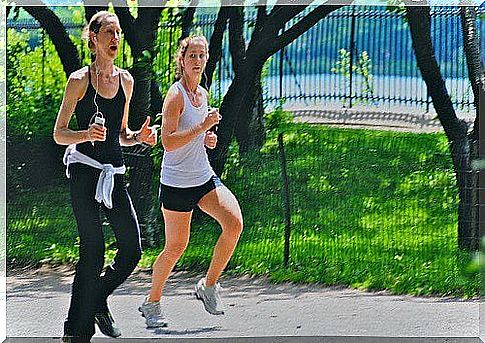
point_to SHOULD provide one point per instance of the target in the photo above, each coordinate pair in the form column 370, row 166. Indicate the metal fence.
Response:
column 388, row 200
column 379, row 205
column 306, row 72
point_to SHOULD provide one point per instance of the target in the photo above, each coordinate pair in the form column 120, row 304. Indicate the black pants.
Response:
column 90, row 290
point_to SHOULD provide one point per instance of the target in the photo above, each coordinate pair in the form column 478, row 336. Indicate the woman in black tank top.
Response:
column 99, row 95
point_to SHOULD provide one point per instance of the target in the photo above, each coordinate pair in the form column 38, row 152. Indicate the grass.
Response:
column 369, row 209
column 41, row 228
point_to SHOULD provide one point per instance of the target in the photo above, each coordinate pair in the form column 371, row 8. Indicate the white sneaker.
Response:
column 153, row 314
column 210, row 297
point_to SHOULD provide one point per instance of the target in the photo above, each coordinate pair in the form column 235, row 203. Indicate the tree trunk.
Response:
column 419, row 20
column 188, row 20
column 140, row 34
column 476, row 76
column 239, row 92
column 90, row 10
column 215, row 47
column 250, row 134
column 65, row 48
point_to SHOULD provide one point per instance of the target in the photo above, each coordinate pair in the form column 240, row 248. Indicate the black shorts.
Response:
column 186, row 199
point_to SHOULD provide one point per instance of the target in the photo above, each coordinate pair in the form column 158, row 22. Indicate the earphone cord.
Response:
column 97, row 113
column 96, row 90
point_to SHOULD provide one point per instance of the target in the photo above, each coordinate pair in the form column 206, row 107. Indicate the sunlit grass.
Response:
column 369, row 209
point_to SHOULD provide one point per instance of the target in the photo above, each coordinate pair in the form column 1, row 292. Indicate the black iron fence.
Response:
column 338, row 204
column 380, row 205
column 358, row 55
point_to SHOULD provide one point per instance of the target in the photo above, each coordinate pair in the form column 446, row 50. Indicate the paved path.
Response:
column 37, row 303
column 395, row 118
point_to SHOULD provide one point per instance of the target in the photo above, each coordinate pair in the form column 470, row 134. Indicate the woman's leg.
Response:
column 223, row 206
column 80, row 320
column 177, row 233
column 124, row 223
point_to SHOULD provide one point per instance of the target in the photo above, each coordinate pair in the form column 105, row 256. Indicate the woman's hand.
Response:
column 96, row 132
column 212, row 118
column 147, row 134
column 210, row 140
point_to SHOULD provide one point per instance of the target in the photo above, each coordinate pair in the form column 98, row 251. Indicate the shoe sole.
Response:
column 214, row 313
column 152, row 327
column 103, row 331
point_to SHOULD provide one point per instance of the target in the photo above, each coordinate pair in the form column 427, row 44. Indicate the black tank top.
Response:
column 108, row 151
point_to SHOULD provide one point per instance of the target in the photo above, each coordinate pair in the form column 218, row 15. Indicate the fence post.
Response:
column 170, row 43
column 282, row 60
column 352, row 48
column 427, row 100
column 43, row 62
column 286, row 200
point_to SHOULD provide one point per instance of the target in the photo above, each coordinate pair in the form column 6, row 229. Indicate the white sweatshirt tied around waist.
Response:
column 105, row 185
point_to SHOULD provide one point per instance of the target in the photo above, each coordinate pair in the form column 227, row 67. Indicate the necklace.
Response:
column 192, row 95
column 108, row 78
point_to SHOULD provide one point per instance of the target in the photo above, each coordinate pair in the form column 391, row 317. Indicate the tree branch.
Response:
column 261, row 18
column 215, row 46
column 127, row 23
column 472, row 53
column 301, row 26
column 90, row 9
column 65, row 48
column 280, row 15
column 188, row 20
column 237, row 44
column 419, row 20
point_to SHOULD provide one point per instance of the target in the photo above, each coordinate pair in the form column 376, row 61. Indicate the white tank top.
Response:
column 188, row 166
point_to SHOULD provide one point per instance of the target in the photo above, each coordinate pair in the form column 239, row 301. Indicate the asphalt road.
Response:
column 37, row 302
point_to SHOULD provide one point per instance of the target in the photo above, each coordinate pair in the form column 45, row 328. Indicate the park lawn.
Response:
column 369, row 209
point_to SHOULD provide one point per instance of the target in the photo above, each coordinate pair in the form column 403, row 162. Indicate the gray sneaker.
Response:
column 153, row 314
column 210, row 297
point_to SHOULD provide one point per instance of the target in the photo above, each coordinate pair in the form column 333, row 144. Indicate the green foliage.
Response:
column 166, row 48
column 477, row 266
column 396, row 6
column 33, row 96
column 265, row 73
column 278, row 119
column 370, row 209
column 362, row 69
column 42, row 229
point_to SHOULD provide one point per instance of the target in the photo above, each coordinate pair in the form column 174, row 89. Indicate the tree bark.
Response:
column 140, row 34
column 476, row 77
column 188, row 20
column 90, row 10
column 419, row 20
column 240, row 87
column 472, row 53
column 65, row 48
column 215, row 46
column 250, row 134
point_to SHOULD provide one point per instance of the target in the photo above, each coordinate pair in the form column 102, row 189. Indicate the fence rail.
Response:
column 383, row 71
column 337, row 205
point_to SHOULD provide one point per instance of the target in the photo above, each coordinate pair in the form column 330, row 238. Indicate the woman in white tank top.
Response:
column 187, row 180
